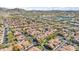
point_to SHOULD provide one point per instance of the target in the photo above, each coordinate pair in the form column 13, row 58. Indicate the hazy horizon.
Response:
column 46, row 8
column 51, row 8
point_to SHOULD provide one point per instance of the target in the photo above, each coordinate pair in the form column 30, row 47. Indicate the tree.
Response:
column 11, row 37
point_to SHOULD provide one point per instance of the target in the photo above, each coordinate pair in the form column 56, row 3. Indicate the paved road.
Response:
column 60, row 45
column 64, row 41
column 5, row 30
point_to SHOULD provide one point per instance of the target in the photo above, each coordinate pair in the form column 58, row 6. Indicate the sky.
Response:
column 40, row 4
